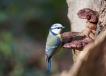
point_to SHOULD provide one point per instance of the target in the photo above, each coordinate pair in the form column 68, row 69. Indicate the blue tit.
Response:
column 53, row 43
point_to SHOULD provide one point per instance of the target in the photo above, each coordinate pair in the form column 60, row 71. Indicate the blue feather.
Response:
column 58, row 42
column 49, row 66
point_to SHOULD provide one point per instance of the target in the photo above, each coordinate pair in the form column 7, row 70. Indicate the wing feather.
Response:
column 51, row 45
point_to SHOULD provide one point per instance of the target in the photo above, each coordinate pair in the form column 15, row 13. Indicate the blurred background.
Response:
column 24, row 26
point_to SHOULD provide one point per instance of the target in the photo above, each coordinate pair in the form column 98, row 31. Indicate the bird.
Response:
column 53, row 43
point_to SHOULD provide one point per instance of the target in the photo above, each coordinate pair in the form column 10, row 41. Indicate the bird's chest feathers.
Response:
column 53, row 40
column 54, row 43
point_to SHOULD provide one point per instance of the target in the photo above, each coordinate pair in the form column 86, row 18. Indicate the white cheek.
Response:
column 57, row 31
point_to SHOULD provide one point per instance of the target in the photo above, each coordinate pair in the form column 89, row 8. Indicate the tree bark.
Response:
column 92, row 60
column 77, row 24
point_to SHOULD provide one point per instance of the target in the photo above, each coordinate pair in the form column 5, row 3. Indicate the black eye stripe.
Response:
column 58, row 27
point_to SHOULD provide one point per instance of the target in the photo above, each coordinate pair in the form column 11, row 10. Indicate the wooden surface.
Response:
column 77, row 24
column 74, row 6
column 92, row 60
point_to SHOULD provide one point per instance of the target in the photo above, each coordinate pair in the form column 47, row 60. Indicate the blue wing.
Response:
column 51, row 49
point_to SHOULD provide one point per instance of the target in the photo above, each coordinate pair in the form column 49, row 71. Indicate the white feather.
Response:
column 55, row 30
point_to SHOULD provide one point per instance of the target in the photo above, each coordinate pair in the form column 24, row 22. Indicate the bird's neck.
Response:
column 52, row 33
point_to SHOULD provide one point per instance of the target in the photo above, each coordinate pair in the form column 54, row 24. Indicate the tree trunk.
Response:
column 92, row 60
column 77, row 24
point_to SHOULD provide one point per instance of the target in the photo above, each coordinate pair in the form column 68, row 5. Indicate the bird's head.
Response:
column 56, row 29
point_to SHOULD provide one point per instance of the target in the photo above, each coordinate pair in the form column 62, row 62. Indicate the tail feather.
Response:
column 49, row 66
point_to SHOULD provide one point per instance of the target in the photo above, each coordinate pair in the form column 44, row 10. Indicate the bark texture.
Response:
column 77, row 24
column 102, row 19
column 78, row 40
column 92, row 60
column 74, row 6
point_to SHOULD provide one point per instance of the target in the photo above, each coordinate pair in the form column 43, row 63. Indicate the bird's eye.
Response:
column 58, row 28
